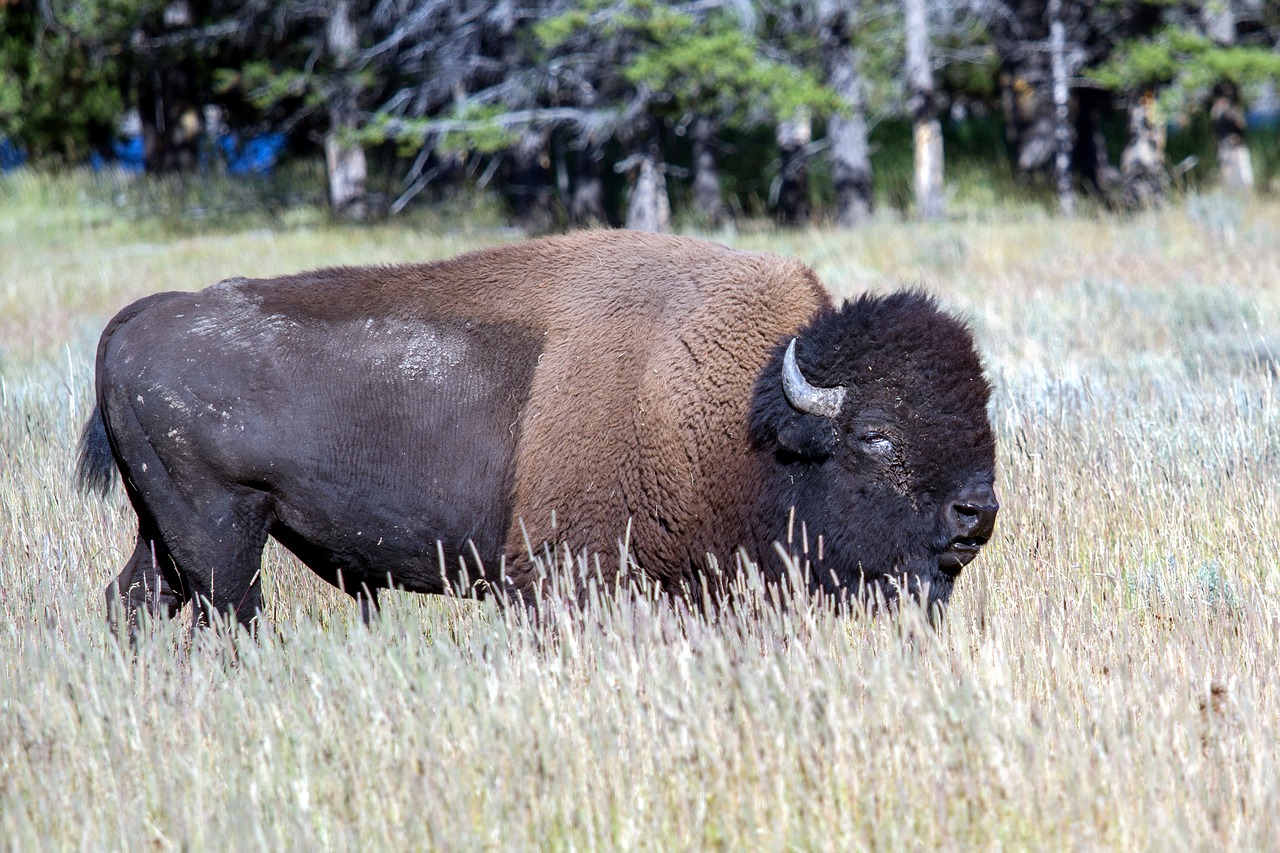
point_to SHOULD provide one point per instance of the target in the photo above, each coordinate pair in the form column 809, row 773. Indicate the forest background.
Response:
column 621, row 111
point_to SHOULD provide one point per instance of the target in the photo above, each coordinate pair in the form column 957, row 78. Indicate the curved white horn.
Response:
column 805, row 397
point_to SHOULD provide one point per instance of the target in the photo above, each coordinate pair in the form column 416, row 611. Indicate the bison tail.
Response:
column 95, row 467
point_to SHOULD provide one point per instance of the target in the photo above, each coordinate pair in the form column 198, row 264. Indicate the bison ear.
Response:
column 808, row 437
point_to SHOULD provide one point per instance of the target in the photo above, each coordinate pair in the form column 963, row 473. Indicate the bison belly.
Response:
column 375, row 447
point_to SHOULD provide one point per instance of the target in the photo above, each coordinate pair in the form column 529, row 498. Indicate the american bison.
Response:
column 428, row 426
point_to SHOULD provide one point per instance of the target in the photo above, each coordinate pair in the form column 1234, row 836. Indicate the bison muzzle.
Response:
column 433, row 427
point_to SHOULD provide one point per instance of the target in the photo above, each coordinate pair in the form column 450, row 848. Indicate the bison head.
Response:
column 874, row 426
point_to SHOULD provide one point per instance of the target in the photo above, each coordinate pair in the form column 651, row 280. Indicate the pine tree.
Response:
column 1178, row 69
column 60, row 96
column 659, row 68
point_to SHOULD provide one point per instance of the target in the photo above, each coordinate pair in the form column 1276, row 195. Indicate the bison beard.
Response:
column 427, row 427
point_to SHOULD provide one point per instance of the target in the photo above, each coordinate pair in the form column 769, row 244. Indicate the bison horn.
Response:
column 806, row 397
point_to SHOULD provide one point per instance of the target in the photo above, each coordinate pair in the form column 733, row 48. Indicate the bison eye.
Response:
column 876, row 442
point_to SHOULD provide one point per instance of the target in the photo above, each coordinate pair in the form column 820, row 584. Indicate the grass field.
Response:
column 1106, row 677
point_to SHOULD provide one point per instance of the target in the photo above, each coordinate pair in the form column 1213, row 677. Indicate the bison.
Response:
column 433, row 426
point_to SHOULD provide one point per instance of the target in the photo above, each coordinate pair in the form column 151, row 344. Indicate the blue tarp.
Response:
column 257, row 155
column 11, row 156
column 125, row 154
column 1262, row 118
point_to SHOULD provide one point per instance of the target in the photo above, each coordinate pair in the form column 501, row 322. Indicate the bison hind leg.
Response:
column 212, row 550
column 225, row 572
column 148, row 583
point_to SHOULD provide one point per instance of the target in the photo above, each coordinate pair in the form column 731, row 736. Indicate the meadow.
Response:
column 1105, row 677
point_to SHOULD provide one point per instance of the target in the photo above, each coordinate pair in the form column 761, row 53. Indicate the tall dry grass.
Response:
column 1105, row 678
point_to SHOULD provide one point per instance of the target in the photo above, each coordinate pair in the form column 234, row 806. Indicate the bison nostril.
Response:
column 974, row 521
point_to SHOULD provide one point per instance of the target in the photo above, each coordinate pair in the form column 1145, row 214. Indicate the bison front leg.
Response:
column 144, row 585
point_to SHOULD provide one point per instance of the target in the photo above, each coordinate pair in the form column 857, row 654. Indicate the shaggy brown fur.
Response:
column 638, row 409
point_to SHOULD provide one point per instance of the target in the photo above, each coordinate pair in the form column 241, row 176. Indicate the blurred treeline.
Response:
column 588, row 111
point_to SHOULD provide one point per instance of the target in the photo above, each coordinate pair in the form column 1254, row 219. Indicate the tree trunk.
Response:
column 1234, row 164
column 1061, row 109
column 1090, row 155
column 846, row 131
column 176, row 143
column 587, row 206
column 707, row 203
column 851, row 169
column 586, row 200
column 347, row 171
column 1142, row 174
column 344, row 158
column 648, row 207
column 169, row 104
column 926, row 129
column 1019, row 30
column 528, row 184
column 791, row 206
column 1235, row 167
column 1219, row 21
column 1028, row 113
